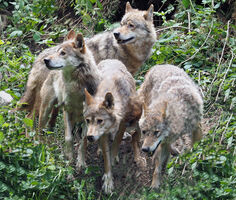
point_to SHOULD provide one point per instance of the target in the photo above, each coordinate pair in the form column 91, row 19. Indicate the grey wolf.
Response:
column 172, row 106
column 110, row 111
column 131, row 43
column 72, row 68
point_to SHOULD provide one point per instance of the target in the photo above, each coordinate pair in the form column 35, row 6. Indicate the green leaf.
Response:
column 1, row 137
column 16, row 33
column 28, row 122
column 186, row 3
column 36, row 37
column 1, row 120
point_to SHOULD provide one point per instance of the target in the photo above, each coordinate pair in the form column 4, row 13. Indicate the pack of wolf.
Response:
column 91, row 80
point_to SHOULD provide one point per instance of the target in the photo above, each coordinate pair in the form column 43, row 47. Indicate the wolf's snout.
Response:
column 46, row 61
column 146, row 149
column 90, row 138
column 117, row 35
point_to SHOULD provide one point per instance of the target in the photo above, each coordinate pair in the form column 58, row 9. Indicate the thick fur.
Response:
column 111, row 111
column 108, row 45
column 172, row 106
column 72, row 69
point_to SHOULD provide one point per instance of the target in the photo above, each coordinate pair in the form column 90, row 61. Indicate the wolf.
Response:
column 110, row 111
column 131, row 43
column 172, row 106
column 72, row 68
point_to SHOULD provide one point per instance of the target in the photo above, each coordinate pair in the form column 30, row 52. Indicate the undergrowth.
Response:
column 196, row 39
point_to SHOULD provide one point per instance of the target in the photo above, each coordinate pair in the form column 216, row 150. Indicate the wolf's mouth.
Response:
column 151, row 153
column 53, row 68
column 49, row 66
column 120, row 41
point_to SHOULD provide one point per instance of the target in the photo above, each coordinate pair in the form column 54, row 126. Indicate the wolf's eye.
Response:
column 156, row 132
column 144, row 132
column 62, row 53
column 130, row 25
column 99, row 121
column 88, row 121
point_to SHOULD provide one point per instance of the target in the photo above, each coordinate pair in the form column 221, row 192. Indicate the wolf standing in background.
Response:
column 113, row 108
column 172, row 106
column 131, row 43
column 72, row 69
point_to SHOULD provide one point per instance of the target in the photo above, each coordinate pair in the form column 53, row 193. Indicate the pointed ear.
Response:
column 163, row 110
column 79, row 43
column 149, row 13
column 108, row 101
column 88, row 97
column 71, row 35
column 128, row 7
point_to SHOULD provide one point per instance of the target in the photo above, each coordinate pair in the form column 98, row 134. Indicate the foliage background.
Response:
column 198, row 36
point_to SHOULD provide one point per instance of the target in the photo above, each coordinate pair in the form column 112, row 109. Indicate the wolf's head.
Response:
column 135, row 25
column 153, row 127
column 69, row 55
column 99, row 117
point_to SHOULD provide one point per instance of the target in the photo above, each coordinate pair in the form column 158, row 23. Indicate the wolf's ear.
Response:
column 128, row 7
column 70, row 35
column 88, row 97
column 149, row 13
column 108, row 101
column 79, row 43
column 163, row 110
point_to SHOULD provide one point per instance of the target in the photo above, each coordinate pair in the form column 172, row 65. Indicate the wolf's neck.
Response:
column 137, row 53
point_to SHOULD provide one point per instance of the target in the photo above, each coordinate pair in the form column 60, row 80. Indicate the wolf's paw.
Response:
column 80, row 163
column 69, row 156
column 141, row 162
column 155, row 184
column 108, row 185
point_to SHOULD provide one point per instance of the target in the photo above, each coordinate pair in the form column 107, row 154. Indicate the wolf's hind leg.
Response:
column 116, row 143
column 197, row 134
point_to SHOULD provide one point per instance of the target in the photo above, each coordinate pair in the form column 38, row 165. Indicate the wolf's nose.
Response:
column 116, row 34
column 46, row 61
column 145, row 149
column 90, row 138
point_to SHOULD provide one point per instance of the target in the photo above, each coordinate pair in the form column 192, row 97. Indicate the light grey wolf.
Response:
column 72, row 68
column 131, row 43
column 172, row 106
column 110, row 111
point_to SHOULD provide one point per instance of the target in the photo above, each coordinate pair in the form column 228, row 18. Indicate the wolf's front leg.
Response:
column 108, row 185
column 69, row 143
column 161, row 155
column 82, row 149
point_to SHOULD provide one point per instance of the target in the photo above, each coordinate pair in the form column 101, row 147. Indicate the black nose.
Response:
column 46, row 61
column 116, row 34
column 90, row 138
column 146, row 149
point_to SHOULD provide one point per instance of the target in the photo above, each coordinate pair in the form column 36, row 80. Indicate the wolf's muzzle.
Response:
column 49, row 66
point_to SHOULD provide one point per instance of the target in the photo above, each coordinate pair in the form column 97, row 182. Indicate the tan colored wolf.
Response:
column 72, row 68
column 172, row 106
column 131, row 43
column 113, row 108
